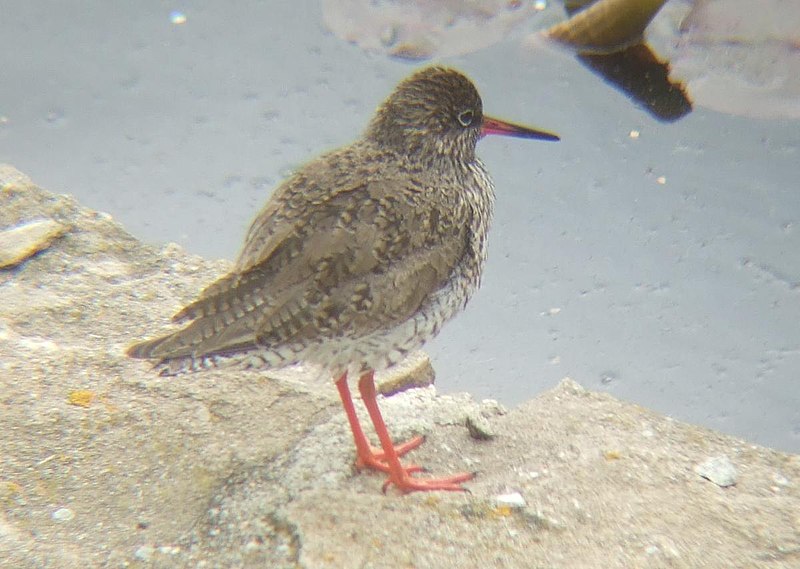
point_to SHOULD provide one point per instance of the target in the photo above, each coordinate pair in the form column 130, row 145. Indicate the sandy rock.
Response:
column 237, row 468
column 20, row 242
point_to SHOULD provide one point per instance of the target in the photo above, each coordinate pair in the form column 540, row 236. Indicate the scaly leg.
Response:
column 399, row 475
column 366, row 455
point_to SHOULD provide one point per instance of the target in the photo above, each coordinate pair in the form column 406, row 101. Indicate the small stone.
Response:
column 780, row 479
column 719, row 470
column 414, row 371
column 63, row 515
column 511, row 500
column 144, row 553
column 491, row 407
column 479, row 427
column 23, row 241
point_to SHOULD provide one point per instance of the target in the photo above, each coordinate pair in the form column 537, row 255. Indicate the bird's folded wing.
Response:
column 331, row 264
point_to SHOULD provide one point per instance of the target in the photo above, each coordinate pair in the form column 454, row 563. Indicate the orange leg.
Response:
column 366, row 455
column 399, row 475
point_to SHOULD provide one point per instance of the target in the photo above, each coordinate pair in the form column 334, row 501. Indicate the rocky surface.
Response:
column 105, row 464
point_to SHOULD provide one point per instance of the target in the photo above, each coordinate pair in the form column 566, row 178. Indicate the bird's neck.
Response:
column 430, row 154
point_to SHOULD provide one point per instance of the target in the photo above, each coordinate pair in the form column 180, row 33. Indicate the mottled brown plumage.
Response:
column 362, row 254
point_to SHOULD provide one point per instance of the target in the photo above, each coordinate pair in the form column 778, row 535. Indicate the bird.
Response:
column 358, row 258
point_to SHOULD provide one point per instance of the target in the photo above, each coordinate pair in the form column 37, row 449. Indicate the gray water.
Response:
column 680, row 293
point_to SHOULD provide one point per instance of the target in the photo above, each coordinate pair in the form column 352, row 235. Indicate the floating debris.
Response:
column 607, row 26
column 738, row 56
column 423, row 29
column 644, row 78
column 177, row 17
column 607, row 37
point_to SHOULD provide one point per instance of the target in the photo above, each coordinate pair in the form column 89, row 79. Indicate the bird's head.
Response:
column 437, row 113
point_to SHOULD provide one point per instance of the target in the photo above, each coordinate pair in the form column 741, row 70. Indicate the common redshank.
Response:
column 359, row 258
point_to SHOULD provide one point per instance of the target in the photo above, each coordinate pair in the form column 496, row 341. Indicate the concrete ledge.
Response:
column 105, row 464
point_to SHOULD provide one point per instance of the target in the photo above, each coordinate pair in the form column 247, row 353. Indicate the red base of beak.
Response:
column 496, row 126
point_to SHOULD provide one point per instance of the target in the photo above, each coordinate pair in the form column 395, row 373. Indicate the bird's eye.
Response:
column 465, row 118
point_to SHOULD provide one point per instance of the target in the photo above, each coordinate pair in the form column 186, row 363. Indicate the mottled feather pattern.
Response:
column 355, row 260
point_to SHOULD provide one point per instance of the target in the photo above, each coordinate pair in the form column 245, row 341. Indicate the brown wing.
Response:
column 321, row 264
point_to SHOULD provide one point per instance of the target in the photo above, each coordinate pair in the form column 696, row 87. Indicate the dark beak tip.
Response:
column 503, row 128
column 547, row 137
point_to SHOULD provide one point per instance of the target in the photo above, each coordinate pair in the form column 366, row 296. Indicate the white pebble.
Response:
column 63, row 515
column 512, row 500
column 719, row 470
column 144, row 553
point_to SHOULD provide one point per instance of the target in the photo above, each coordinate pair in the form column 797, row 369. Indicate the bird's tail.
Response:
column 149, row 349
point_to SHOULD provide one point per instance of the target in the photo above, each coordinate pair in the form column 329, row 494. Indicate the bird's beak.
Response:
column 495, row 126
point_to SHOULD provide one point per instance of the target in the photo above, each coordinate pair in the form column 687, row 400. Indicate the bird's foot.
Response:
column 406, row 483
column 388, row 460
column 376, row 458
